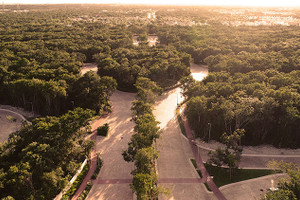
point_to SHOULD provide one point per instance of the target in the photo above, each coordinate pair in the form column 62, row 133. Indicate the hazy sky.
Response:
column 285, row 3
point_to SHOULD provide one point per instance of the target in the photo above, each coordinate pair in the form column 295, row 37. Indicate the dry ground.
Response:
column 7, row 126
column 88, row 67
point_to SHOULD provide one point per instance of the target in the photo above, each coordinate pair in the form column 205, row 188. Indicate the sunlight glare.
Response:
column 265, row 3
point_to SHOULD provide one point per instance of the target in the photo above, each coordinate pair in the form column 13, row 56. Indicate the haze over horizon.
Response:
column 256, row 3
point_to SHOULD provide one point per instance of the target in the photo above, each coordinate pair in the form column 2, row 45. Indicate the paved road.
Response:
column 256, row 161
column 110, row 147
column 174, row 154
column 174, row 167
column 251, row 189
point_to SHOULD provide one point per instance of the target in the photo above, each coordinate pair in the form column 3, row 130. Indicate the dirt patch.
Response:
column 21, row 111
column 88, row 67
column 11, row 119
column 9, row 123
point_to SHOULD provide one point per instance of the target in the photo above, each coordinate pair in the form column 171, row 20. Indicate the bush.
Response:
column 11, row 118
column 86, row 191
column 77, row 182
column 103, row 130
column 196, row 167
column 99, row 165
column 180, row 122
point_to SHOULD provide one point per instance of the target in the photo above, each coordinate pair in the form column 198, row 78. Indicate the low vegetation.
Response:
column 196, row 167
column 220, row 174
column 140, row 148
column 103, row 130
column 98, row 167
column 76, row 184
column 200, row 173
column 86, row 191
column 229, row 156
column 253, row 84
column 180, row 121
column 11, row 118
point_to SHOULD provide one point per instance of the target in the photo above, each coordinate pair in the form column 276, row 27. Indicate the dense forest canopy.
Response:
column 253, row 84
column 39, row 160
column 163, row 65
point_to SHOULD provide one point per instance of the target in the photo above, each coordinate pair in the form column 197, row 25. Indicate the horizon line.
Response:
column 146, row 4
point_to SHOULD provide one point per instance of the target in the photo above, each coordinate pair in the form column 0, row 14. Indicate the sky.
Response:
column 276, row 3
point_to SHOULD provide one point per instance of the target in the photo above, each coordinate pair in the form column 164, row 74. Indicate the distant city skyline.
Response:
column 264, row 3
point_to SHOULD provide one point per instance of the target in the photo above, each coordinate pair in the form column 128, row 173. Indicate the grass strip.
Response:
column 196, row 167
column 86, row 191
column 98, row 167
column 207, row 186
column 221, row 175
column 180, row 121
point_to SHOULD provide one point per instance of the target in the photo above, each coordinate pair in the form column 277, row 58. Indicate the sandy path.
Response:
column 175, row 152
column 110, row 147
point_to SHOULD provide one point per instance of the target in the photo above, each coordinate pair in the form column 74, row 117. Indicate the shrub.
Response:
column 11, row 118
column 103, row 130
column 180, row 121
column 86, row 191
column 99, row 165
column 77, row 182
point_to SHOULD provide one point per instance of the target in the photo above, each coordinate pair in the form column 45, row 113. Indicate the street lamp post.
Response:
column 209, row 131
